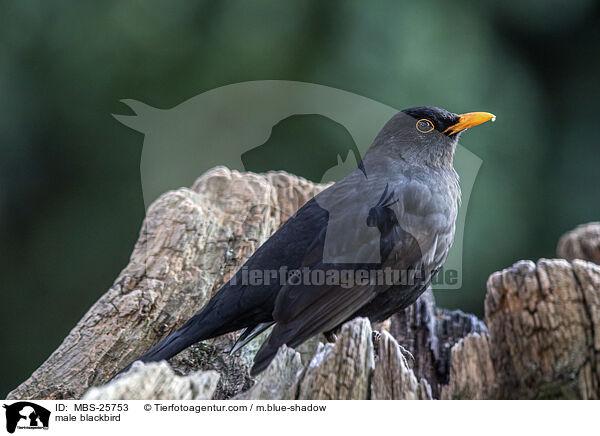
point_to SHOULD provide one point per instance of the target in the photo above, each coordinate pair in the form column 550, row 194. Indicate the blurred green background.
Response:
column 71, row 201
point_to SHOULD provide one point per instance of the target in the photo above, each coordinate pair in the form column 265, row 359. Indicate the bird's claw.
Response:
column 330, row 336
column 376, row 336
column 405, row 352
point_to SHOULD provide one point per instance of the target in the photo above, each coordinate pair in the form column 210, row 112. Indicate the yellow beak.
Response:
column 471, row 119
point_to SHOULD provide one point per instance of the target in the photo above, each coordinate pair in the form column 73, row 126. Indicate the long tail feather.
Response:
column 249, row 334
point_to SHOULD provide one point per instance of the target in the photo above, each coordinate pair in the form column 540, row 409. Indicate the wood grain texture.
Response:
column 581, row 243
column 540, row 339
column 392, row 378
column 543, row 321
column 157, row 381
column 191, row 241
column 341, row 371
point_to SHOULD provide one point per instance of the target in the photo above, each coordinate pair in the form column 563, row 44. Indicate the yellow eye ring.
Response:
column 424, row 126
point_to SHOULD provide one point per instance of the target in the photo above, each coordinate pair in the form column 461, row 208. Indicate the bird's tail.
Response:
column 249, row 334
column 187, row 335
column 227, row 311
column 190, row 333
column 207, row 323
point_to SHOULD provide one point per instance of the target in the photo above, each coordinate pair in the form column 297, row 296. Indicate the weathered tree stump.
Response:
column 191, row 241
column 540, row 339
column 157, row 381
column 581, row 243
column 543, row 321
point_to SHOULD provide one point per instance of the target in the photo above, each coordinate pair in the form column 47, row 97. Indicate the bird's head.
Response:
column 427, row 134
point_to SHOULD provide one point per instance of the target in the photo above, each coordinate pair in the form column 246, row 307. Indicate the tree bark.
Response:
column 190, row 243
column 543, row 321
column 581, row 243
column 540, row 339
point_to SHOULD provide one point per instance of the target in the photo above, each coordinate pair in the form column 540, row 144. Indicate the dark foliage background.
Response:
column 70, row 194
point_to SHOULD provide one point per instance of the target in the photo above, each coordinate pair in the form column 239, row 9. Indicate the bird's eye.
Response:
column 424, row 126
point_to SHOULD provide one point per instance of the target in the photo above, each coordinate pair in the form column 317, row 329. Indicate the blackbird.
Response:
column 369, row 245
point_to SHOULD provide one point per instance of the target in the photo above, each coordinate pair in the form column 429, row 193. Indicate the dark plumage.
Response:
column 400, row 205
